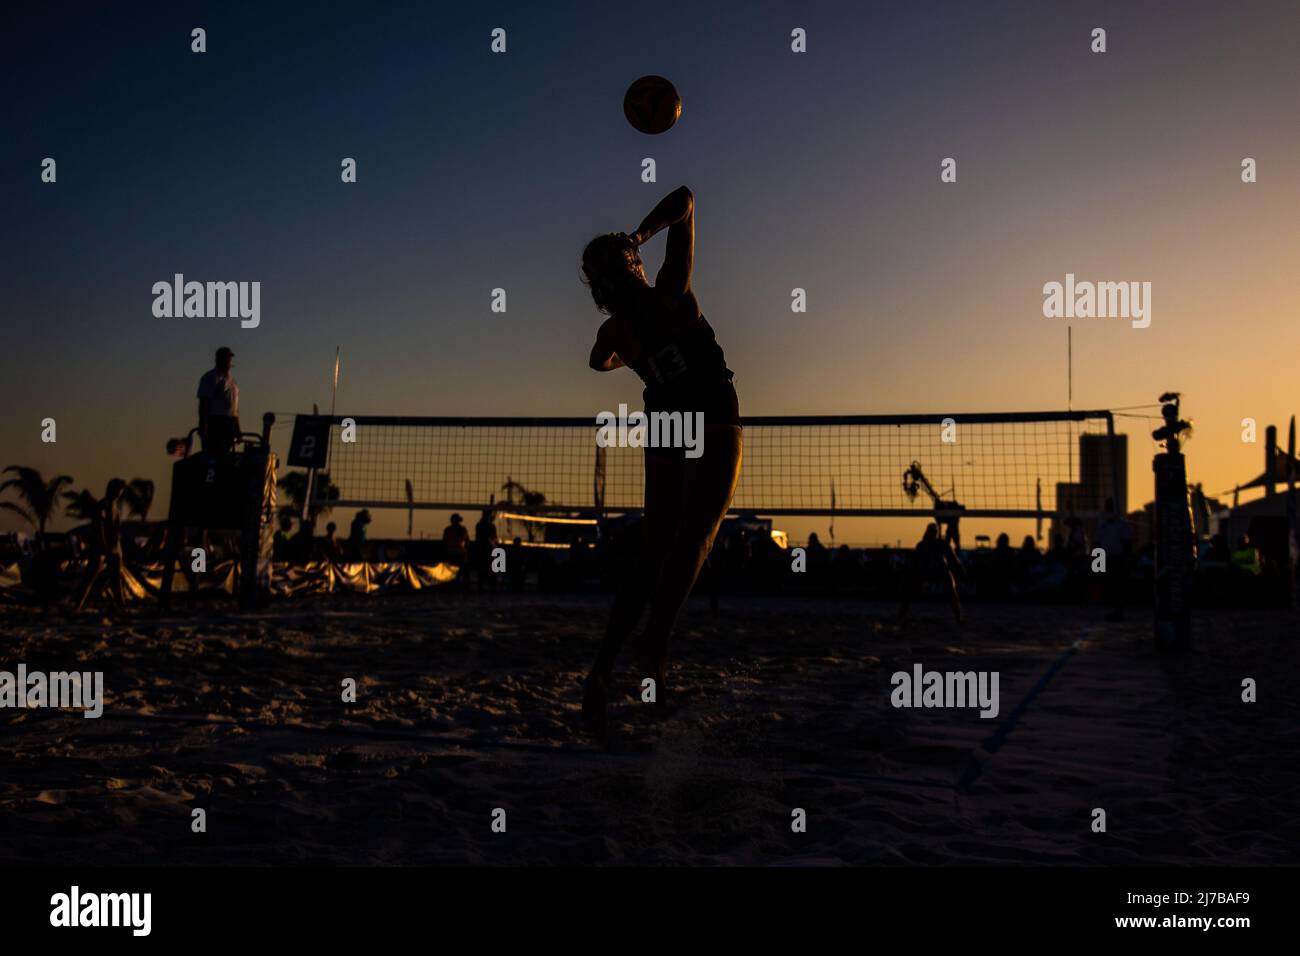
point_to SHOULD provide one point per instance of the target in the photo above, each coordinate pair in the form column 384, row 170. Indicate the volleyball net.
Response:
column 1010, row 464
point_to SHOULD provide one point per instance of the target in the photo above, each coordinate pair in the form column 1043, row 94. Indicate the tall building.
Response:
column 1103, row 471
column 1103, row 474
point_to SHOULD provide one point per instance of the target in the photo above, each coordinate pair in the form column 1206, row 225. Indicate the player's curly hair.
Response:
column 609, row 265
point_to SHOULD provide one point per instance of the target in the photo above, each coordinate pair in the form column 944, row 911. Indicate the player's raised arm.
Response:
column 676, row 212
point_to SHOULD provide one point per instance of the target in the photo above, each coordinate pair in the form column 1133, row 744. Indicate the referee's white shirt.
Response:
column 222, row 393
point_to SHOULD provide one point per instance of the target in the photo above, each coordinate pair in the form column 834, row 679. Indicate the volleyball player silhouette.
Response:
column 659, row 332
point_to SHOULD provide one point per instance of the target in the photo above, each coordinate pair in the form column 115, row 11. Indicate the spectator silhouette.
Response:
column 455, row 547
column 357, row 535
column 331, row 547
column 302, row 545
column 485, row 540
column 818, row 557
column 846, row 568
column 219, row 405
column 1076, row 543
column 1002, row 569
column 1029, row 564
column 283, row 535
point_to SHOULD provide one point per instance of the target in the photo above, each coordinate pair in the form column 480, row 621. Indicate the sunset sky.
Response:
column 477, row 171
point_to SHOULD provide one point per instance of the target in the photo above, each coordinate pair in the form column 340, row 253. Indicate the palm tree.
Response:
column 294, row 486
column 530, row 499
column 40, row 498
column 139, row 498
column 510, row 487
column 81, row 505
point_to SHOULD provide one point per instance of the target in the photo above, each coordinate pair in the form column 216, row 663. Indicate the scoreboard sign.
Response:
column 311, row 442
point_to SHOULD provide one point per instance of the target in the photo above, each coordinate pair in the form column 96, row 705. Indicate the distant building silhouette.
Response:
column 1103, row 475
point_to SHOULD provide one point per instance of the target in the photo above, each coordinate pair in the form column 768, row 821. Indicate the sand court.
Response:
column 468, row 703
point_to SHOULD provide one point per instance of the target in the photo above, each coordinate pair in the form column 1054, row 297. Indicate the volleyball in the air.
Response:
column 652, row 105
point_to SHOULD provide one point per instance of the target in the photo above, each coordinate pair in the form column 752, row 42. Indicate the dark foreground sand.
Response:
column 779, row 704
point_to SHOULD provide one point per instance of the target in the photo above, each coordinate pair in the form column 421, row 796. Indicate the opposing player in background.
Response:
column 933, row 561
column 659, row 332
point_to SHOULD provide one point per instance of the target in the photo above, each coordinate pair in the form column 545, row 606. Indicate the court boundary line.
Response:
column 982, row 755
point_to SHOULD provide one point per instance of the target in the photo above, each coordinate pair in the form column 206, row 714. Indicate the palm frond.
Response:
column 82, row 505
column 139, row 497
column 18, row 510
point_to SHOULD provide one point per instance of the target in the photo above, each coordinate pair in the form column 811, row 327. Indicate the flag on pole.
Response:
column 410, row 508
column 832, row 528
column 1038, row 506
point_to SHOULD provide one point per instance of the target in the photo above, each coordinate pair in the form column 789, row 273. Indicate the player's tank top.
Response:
column 686, row 371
